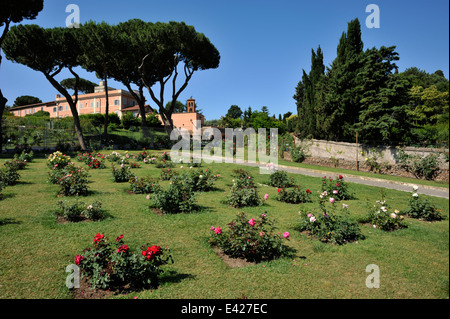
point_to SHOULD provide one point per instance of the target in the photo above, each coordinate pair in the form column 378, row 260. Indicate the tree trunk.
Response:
column 141, row 102
column 73, row 109
column 3, row 101
column 105, row 128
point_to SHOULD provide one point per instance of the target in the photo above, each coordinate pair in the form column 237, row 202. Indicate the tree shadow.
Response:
column 9, row 221
column 172, row 277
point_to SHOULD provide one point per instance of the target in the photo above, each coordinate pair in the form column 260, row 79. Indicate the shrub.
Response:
column 78, row 211
column 167, row 174
column 93, row 160
column 200, row 180
column 162, row 163
column 243, row 191
column 9, row 175
column 141, row 156
column 58, row 160
column 298, row 154
column 251, row 239
column 281, row 179
column 330, row 226
column 114, row 265
column 294, row 195
column 16, row 164
column 114, row 157
column 336, row 188
column 73, row 181
column 143, row 185
column 422, row 209
column 177, row 198
column 122, row 174
column 372, row 160
column 380, row 216
column 421, row 167
column 24, row 156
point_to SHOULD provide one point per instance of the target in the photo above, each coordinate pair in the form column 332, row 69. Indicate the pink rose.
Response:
column 266, row 196
column 218, row 231
column 252, row 222
column 331, row 200
column 286, row 235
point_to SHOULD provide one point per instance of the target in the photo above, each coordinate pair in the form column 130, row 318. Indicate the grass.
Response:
column 35, row 250
column 367, row 174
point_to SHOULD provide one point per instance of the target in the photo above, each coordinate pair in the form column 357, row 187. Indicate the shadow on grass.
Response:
column 172, row 277
column 9, row 221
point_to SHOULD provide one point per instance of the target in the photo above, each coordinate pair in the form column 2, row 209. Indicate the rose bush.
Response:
column 294, row 195
column 336, row 188
column 243, row 192
column 121, row 174
column 78, row 211
column 57, row 160
column 330, row 224
column 113, row 264
column 252, row 239
column 421, row 208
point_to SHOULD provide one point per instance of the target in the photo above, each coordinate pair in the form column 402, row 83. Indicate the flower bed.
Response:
column 330, row 224
column 79, row 211
column 113, row 264
column 252, row 239
column 422, row 209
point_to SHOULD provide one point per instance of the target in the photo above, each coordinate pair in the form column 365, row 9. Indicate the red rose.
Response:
column 98, row 237
column 156, row 250
column 78, row 259
column 119, row 238
column 123, row 249
column 308, row 191
column 341, row 177
column 279, row 190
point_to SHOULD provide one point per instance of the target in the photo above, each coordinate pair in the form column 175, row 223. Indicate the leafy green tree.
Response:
column 128, row 36
column 234, row 112
column 83, row 85
column 179, row 107
column 167, row 45
column 343, row 96
column 13, row 11
column 98, row 51
column 48, row 51
column 382, row 115
column 26, row 100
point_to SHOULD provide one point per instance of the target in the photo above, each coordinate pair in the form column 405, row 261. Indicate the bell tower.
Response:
column 190, row 105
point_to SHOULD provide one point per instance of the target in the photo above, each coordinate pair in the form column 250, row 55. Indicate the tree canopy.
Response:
column 362, row 91
column 26, row 100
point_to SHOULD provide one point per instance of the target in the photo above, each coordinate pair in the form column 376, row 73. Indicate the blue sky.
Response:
column 264, row 44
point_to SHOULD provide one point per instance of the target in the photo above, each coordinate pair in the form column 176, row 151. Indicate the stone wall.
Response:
column 352, row 151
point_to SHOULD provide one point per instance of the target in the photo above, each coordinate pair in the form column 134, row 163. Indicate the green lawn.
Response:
column 35, row 250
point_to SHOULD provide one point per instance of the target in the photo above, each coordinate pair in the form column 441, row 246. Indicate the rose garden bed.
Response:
column 185, row 213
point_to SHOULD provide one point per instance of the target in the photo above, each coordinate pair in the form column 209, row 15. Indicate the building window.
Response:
column 92, row 105
column 54, row 110
column 60, row 108
column 67, row 107
column 117, row 102
column 97, row 104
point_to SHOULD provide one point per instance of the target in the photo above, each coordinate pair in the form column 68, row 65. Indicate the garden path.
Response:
column 370, row 181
